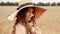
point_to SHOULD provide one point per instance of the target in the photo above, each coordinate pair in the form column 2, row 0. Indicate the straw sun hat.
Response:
column 27, row 3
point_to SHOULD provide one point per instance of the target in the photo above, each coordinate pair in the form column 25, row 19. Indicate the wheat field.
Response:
column 49, row 22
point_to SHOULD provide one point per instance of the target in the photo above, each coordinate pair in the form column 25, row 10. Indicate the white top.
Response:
column 20, row 29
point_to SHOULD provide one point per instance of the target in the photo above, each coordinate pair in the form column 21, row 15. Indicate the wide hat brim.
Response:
column 38, row 12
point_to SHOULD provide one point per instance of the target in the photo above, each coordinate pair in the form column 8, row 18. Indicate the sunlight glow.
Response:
column 46, row 1
column 36, row 1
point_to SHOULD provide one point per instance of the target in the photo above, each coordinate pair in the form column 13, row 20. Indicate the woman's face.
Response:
column 29, row 14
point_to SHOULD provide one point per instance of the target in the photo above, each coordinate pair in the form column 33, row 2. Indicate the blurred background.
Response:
column 49, row 22
column 39, row 2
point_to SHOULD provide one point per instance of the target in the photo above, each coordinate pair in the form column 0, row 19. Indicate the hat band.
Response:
column 24, row 5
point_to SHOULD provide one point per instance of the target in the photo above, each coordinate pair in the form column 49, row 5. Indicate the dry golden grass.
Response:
column 49, row 22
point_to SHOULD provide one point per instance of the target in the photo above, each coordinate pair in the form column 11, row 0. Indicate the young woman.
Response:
column 26, row 16
column 25, row 22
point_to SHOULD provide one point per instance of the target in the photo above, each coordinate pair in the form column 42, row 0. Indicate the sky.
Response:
column 44, row 1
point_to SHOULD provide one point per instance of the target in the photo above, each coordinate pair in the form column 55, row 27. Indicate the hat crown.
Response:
column 27, row 1
column 24, row 1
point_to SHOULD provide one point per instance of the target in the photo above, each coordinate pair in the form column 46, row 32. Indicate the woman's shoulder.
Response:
column 20, row 29
column 20, row 26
